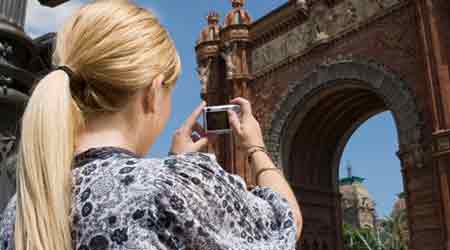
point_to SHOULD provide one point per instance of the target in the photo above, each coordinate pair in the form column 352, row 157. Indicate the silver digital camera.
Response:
column 215, row 118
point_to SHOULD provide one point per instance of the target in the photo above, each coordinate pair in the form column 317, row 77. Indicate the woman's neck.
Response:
column 103, row 131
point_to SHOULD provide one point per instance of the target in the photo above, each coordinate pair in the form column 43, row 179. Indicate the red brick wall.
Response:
column 392, row 41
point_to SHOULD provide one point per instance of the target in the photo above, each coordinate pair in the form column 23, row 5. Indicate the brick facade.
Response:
column 318, row 73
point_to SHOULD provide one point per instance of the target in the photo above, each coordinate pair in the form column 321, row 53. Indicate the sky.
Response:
column 371, row 150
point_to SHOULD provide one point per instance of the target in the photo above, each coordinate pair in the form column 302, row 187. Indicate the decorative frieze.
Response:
column 321, row 26
column 207, row 50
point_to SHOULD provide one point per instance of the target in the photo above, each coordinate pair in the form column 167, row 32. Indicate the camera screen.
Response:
column 217, row 120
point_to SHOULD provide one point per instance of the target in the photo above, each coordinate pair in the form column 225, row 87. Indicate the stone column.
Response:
column 13, row 11
column 434, row 21
column 235, row 46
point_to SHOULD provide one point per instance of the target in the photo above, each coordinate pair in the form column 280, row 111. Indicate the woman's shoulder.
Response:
column 127, row 172
column 194, row 158
column 7, row 220
column 195, row 161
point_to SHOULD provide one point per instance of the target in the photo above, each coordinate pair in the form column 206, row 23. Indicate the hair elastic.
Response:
column 68, row 71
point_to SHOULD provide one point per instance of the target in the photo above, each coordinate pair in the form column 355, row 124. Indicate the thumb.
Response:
column 201, row 143
column 234, row 121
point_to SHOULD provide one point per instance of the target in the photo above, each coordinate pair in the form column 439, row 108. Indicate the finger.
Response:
column 192, row 119
column 199, row 129
column 246, row 108
column 195, row 137
column 200, row 144
column 234, row 121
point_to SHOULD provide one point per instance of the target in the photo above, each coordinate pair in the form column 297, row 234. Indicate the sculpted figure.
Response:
column 320, row 34
column 203, row 74
column 303, row 4
column 228, row 56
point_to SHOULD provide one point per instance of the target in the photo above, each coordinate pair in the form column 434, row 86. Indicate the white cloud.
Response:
column 41, row 19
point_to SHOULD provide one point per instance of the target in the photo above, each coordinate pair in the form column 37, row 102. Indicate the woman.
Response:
column 82, row 180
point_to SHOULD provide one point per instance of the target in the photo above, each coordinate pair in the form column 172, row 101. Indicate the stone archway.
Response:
column 313, row 123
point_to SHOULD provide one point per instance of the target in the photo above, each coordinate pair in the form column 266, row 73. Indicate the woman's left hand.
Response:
column 182, row 141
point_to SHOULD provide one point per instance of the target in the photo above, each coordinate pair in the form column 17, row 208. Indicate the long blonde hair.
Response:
column 115, row 49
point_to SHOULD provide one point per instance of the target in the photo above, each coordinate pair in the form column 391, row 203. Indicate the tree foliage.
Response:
column 391, row 233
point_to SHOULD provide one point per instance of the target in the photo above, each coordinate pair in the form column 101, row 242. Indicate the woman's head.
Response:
column 123, row 62
column 117, row 49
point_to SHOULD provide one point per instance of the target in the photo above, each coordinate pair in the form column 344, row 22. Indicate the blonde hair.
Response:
column 115, row 49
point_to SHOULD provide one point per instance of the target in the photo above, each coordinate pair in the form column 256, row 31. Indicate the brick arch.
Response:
column 315, row 119
column 365, row 74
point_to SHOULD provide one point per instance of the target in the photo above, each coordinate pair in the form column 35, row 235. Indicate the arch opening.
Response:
column 314, row 122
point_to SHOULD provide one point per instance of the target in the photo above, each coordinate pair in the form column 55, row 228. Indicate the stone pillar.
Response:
column 13, row 11
column 434, row 21
column 235, row 49
column 212, row 78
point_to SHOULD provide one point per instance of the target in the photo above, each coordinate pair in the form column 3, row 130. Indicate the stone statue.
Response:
column 203, row 75
column 303, row 4
column 228, row 56
column 320, row 34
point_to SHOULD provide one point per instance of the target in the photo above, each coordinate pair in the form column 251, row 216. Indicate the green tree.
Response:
column 390, row 234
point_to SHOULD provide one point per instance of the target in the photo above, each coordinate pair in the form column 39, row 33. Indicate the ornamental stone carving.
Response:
column 322, row 25
column 228, row 56
column 204, row 72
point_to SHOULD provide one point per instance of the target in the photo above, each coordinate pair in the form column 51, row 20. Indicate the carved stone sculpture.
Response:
column 302, row 4
column 320, row 34
column 203, row 74
column 228, row 56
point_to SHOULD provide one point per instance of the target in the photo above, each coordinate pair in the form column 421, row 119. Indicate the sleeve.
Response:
column 269, row 204
column 271, row 212
column 7, row 220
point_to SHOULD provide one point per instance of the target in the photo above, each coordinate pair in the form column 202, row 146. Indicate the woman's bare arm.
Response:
column 276, row 181
column 249, row 134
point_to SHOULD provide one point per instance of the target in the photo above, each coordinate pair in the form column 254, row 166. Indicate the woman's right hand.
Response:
column 246, row 128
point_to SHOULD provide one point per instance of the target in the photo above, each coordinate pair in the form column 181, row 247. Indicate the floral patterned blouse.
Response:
column 121, row 202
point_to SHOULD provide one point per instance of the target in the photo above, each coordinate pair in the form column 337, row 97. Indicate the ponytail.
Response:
column 46, row 150
column 115, row 49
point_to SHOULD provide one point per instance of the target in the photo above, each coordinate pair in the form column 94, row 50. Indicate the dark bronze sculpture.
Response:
column 22, row 61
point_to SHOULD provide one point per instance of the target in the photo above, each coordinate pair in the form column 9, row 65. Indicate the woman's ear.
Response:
column 153, row 95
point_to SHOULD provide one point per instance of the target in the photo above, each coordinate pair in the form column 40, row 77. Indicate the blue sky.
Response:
column 371, row 150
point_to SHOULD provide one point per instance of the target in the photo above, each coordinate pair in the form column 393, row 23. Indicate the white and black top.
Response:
column 121, row 202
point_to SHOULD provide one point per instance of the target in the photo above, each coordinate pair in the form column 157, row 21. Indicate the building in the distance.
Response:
column 399, row 216
column 358, row 207
column 400, row 204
